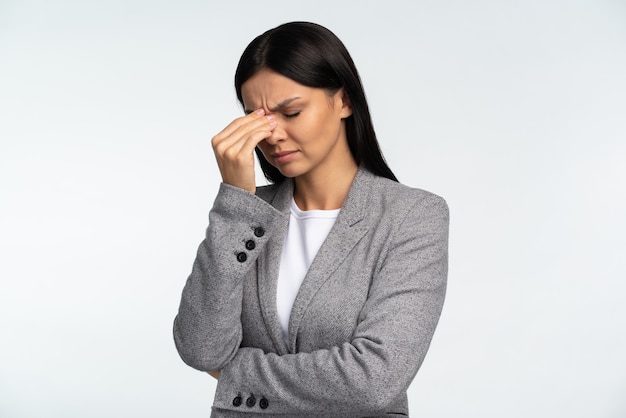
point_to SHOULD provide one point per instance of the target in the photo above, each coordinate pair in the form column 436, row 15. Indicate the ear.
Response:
column 346, row 105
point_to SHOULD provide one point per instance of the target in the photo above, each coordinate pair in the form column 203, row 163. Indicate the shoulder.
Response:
column 397, row 199
column 412, row 223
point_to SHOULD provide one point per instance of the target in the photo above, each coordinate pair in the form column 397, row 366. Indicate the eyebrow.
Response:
column 279, row 106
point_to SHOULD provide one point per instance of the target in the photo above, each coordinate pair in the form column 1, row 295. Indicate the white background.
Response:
column 514, row 111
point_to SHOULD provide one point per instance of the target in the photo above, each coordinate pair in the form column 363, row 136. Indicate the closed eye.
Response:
column 292, row 115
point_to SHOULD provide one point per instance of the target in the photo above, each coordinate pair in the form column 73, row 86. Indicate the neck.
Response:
column 325, row 191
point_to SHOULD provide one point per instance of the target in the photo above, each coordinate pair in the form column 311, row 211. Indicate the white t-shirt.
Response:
column 307, row 231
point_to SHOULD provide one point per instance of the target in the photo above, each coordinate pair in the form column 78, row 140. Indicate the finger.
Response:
column 243, row 147
column 238, row 137
column 265, row 125
column 253, row 140
column 238, row 132
column 239, row 122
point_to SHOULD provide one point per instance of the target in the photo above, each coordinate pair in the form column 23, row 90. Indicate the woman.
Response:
column 318, row 294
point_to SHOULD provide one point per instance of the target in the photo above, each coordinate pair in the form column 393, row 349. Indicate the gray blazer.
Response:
column 361, row 323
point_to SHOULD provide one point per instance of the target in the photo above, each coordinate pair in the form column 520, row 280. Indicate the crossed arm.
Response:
column 365, row 374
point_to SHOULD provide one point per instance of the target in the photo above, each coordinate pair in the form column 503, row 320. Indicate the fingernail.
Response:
column 272, row 120
column 260, row 112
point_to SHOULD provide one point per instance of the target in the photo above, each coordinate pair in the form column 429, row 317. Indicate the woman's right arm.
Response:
column 207, row 329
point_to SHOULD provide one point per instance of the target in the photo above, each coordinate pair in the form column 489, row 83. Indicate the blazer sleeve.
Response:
column 395, row 328
column 207, row 329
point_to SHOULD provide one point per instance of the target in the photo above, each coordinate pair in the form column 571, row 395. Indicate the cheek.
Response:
column 311, row 126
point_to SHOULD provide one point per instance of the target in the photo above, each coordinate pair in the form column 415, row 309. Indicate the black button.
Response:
column 250, row 245
column 251, row 401
column 264, row 403
column 237, row 401
column 259, row 231
column 242, row 257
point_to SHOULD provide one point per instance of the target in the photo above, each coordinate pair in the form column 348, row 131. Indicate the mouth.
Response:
column 283, row 156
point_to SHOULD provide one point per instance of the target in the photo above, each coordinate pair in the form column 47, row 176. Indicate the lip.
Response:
column 284, row 156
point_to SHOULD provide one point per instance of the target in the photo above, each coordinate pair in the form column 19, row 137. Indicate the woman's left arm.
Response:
column 368, row 373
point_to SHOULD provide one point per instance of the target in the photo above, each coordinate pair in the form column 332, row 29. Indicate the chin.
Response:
column 290, row 172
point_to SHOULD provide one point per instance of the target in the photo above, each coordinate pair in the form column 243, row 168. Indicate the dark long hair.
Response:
column 313, row 56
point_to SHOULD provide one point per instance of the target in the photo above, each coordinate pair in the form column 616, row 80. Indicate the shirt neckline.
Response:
column 310, row 214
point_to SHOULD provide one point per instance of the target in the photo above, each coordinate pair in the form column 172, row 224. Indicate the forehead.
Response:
column 267, row 88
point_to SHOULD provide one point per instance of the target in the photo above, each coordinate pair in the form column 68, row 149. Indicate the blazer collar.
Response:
column 354, row 207
column 344, row 235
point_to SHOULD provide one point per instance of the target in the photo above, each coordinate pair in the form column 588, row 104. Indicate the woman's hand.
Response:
column 234, row 148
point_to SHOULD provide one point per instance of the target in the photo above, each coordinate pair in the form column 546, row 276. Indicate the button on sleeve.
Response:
column 264, row 403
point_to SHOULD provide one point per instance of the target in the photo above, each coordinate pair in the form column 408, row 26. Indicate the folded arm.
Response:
column 389, row 344
column 207, row 329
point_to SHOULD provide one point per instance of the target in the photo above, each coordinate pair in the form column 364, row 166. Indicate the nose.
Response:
column 277, row 135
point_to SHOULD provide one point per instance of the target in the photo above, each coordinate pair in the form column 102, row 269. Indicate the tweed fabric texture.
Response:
column 361, row 323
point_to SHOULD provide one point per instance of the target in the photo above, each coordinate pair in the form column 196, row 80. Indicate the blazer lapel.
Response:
column 268, row 265
column 344, row 235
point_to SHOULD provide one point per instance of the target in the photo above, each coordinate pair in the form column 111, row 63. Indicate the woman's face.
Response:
column 309, row 137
